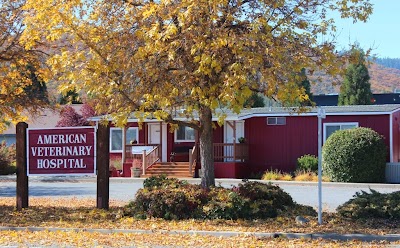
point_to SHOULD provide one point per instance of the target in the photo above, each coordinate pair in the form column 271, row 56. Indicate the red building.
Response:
column 272, row 138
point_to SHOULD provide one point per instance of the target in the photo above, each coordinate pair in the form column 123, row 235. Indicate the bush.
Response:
column 372, row 205
column 161, row 181
column 307, row 163
column 355, row 155
column 162, row 203
column 266, row 199
column 226, row 204
column 173, row 199
column 7, row 159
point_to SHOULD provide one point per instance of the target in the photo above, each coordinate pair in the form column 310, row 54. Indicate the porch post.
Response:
column 144, row 162
column 161, row 142
column 123, row 144
column 146, row 135
column 196, row 143
column 234, row 140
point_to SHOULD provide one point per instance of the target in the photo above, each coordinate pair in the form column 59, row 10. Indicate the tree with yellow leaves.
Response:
column 152, row 57
column 20, row 68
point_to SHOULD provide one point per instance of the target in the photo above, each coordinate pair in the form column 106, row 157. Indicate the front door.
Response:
column 229, row 137
column 154, row 137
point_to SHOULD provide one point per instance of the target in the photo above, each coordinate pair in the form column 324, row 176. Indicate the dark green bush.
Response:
column 307, row 163
column 226, row 204
column 7, row 159
column 172, row 199
column 180, row 202
column 266, row 199
column 372, row 205
column 355, row 155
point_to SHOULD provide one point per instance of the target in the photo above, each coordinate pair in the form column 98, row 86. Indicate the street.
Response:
column 333, row 194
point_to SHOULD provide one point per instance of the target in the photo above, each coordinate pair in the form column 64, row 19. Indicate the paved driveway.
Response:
column 333, row 194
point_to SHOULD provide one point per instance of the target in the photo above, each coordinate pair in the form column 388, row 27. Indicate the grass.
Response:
column 81, row 213
column 298, row 176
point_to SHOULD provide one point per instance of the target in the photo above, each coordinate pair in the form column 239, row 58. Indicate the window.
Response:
column 330, row 128
column 184, row 134
column 116, row 138
column 276, row 120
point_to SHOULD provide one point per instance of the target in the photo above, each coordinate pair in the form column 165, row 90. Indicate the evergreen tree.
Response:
column 37, row 90
column 254, row 101
column 305, row 84
column 71, row 97
column 301, row 83
column 356, row 89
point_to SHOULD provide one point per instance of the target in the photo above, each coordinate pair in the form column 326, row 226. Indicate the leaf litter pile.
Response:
column 81, row 213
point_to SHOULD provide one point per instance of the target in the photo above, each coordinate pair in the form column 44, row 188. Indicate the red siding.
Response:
column 230, row 170
column 278, row 147
column 396, row 136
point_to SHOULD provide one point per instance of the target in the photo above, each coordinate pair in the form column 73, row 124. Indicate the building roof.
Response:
column 48, row 118
column 329, row 110
column 287, row 111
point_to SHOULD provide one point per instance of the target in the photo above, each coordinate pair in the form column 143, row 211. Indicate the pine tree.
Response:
column 356, row 89
column 71, row 97
column 37, row 90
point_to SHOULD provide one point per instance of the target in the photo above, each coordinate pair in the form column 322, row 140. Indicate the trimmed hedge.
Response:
column 173, row 199
column 355, row 155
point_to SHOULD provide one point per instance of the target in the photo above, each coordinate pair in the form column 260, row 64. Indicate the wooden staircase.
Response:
column 170, row 169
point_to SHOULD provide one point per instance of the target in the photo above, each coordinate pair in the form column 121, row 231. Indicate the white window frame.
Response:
column 117, row 128
column 185, row 140
column 330, row 124
column 276, row 121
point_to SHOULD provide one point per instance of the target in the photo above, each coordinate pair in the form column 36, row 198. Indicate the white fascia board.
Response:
column 311, row 114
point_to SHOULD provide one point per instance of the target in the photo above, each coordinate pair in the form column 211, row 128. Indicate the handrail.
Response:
column 225, row 152
column 150, row 158
column 192, row 158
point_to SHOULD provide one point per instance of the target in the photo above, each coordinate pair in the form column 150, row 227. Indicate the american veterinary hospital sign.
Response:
column 61, row 151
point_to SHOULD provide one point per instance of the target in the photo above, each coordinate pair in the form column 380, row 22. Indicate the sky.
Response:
column 381, row 32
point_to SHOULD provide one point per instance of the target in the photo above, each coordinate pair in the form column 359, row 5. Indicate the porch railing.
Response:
column 150, row 158
column 146, row 157
column 227, row 152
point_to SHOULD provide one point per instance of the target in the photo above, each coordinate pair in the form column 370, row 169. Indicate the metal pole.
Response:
column 321, row 115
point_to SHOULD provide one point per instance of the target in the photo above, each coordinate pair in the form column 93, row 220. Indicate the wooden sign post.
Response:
column 22, row 178
column 103, row 166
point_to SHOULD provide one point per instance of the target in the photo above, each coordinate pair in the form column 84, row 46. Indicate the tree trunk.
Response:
column 206, row 148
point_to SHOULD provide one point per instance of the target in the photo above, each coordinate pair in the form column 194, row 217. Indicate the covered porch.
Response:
column 140, row 157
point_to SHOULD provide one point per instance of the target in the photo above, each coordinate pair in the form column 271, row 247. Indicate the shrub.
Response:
column 226, row 204
column 162, row 181
column 7, row 159
column 307, row 163
column 266, row 199
column 173, row 199
column 355, row 155
column 181, row 202
column 372, row 205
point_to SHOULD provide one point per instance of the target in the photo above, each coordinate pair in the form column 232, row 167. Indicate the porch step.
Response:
column 170, row 169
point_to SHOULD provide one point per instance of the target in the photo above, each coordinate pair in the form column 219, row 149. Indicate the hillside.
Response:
column 383, row 80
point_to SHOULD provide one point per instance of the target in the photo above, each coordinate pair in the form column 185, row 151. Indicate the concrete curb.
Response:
column 90, row 179
column 328, row 236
